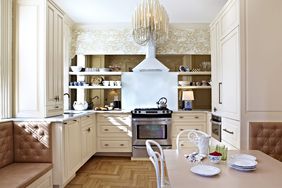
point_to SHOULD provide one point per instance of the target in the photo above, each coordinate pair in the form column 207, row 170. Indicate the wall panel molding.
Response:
column 6, row 58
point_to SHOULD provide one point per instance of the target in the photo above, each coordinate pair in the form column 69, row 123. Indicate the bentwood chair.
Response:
column 192, row 137
column 157, row 157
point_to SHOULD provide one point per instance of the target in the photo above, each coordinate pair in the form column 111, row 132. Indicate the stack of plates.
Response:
column 243, row 162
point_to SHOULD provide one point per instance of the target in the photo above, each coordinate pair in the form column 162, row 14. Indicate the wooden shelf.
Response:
column 94, row 87
column 194, row 73
column 96, row 73
column 194, row 87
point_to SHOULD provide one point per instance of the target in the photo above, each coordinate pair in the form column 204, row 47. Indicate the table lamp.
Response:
column 187, row 98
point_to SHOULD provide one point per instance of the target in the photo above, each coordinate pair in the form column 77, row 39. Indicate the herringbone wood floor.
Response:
column 114, row 172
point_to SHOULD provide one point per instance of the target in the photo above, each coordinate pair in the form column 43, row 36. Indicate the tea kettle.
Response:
column 162, row 102
column 80, row 106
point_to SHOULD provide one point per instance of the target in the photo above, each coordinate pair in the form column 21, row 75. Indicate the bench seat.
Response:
column 22, row 174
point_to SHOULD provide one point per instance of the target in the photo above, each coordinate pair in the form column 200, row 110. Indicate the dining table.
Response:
column 268, row 172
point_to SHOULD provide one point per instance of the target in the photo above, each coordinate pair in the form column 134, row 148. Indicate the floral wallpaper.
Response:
column 117, row 39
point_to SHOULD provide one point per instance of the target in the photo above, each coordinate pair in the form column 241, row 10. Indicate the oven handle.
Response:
column 142, row 147
column 139, row 147
column 216, row 122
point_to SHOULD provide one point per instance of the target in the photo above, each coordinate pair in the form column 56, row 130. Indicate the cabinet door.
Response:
column 216, row 69
column 86, row 142
column 54, row 61
column 230, row 92
column 74, row 143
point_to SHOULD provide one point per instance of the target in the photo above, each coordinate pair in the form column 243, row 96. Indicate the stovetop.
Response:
column 151, row 111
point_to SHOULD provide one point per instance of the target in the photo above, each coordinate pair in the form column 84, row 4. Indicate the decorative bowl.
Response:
column 184, row 83
column 214, row 159
column 76, row 68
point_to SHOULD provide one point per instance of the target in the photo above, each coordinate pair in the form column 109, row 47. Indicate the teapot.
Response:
column 80, row 106
column 162, row 102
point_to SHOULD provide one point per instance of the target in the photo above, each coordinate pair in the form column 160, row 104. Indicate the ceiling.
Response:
column 120, row 11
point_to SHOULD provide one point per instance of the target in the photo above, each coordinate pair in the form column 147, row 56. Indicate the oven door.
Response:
column 216, row 130
column 157, row 129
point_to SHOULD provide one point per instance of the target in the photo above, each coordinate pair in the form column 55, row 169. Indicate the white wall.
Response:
column 143, row 89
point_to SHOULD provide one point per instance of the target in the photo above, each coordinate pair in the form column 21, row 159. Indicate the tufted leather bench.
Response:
column 267, row 137
column 25, row 153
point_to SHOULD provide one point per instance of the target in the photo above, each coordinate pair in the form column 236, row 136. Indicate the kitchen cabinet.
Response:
column 39, row 59
column 88, row 137
column 73, row 145
column 231, row 133
column 114, row 133
column 187, row 120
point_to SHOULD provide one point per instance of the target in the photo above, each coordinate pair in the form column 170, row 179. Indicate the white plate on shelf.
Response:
column 244, row 156
column 205, row 170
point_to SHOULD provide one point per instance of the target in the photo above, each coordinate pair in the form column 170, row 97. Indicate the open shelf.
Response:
column 194, row 73
column 194, row 87
column 94, row 87
column 96, row 73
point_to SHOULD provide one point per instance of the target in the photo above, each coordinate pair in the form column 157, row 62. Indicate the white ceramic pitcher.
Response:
column 203, row 144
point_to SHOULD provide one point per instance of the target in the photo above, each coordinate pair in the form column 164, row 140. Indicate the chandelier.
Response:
column 150, row 22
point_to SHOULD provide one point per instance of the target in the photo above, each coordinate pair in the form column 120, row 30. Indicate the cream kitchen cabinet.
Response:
column 187, row 120
column 226, row 62
column 38, row 59
column 114, row 133
column 88, row 137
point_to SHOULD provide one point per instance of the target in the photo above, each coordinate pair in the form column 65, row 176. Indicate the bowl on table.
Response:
column 215, row 157
column 76, row 68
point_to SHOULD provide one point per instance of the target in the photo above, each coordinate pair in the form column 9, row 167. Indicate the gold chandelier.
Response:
column 150, row 22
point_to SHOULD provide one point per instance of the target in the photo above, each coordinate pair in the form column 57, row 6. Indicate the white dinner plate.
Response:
column 244, row 163
column 205, row 170
column 244, row 156
column 242, row 169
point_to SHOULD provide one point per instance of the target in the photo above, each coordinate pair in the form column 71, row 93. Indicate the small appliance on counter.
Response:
column 116, row 103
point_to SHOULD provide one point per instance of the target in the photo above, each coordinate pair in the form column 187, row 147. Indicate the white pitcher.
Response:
column 203, row 144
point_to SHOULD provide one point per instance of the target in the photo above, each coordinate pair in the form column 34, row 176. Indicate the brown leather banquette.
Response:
column 25, row 152
column 267, row 137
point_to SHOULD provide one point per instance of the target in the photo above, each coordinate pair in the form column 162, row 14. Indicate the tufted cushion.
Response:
column 267, row 137
column 6, row 144
column 32, row 142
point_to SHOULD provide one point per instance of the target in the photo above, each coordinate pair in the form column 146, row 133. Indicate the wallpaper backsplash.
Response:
column 117, row 39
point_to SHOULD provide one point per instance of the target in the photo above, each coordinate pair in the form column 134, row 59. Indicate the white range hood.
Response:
column 150, row 63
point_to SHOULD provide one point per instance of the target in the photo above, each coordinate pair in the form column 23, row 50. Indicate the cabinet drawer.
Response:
column 114, row 119
column 189, row 117
column 70, row 122
column 229, row 19
column 86, row 120
column 113, row 131
column 114, row 145
column 180, row 127
column 231, row 132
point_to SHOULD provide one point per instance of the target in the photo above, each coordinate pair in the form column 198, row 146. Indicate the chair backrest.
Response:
column 156, row 157
column 192, row 136
column 266, row 137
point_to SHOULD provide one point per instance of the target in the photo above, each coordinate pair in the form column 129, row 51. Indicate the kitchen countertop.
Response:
column 73, row 115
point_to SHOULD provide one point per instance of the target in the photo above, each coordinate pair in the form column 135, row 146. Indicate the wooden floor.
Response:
column 114, row 172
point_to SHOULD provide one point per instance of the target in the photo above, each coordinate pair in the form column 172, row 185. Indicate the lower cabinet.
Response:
column 187, row 120
column 74, row 142
column 230, row 130
column 114, row 133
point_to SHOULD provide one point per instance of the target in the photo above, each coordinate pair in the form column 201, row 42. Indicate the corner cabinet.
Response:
column 38, row 59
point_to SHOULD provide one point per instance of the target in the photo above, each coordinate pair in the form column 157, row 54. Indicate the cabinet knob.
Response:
column 214, row 109
column 121, row 144
column 181, row 129
column 65, row 123
column 89, row 129
column 196, row 117
column 182, row 144
column 56, row 107
column 181, row 117
column 88, row 116
column 75, row 120
column 106, row 129
column 106, row 144
column 196, row 129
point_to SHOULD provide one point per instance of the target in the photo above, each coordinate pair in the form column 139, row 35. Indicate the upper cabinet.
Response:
column 38, row 59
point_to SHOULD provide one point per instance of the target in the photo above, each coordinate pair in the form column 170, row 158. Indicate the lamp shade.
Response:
column 188, row 96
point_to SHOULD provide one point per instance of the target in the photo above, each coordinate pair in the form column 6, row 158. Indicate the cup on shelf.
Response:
column 106, row 83
column 118, row 83
column 112, row 83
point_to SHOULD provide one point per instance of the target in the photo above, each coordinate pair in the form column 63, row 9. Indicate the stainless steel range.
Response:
column 153, row 124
